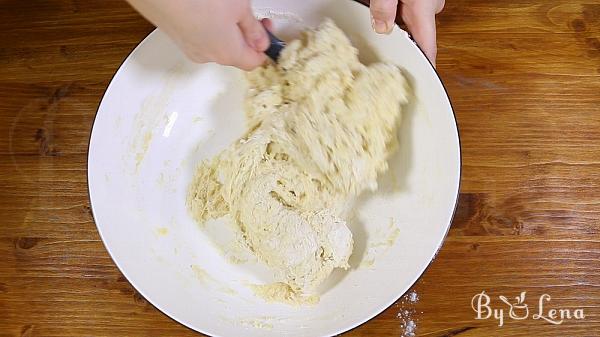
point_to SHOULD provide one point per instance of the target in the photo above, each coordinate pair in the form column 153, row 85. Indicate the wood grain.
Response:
column 524, row 79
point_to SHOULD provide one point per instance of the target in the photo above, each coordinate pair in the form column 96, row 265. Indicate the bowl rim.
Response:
column 350, row 328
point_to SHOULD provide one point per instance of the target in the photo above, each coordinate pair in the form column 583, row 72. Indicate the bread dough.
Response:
column 282, row 292
column 320, row 128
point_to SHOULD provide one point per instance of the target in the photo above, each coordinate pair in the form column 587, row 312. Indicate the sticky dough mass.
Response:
column 320, row 127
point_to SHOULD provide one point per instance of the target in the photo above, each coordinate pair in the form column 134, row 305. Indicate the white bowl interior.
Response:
column 162, row 115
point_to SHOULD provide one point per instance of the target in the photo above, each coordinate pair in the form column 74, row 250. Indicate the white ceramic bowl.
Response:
column 162, row 114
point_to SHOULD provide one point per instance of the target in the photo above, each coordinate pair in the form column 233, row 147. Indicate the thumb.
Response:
column 383, row 14
column 253, row 31
column 421, row 25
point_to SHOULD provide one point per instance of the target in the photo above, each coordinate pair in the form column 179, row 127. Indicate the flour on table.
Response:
column 320, row 128
column 406, row 314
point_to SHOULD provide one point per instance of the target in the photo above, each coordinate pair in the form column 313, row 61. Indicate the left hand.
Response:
column 419, row 16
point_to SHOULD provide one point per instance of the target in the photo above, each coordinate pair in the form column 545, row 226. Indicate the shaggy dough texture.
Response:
column 321, row 126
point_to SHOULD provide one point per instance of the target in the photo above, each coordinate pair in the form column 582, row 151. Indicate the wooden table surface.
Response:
column 524, row 79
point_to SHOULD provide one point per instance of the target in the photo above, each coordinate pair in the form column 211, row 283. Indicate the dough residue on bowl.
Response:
column 282, row 292
column 320, row 128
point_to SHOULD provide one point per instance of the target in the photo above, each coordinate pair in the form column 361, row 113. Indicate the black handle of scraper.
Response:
column 275, row 47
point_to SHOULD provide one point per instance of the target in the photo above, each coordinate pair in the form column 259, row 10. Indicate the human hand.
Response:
column 418, row 15
column 221, row 31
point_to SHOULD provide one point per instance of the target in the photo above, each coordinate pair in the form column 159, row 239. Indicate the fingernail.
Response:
column 381, row 26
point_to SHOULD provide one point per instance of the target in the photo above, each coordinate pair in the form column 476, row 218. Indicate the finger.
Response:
column 253, row 31
column 239, row 54
column 383, row 14
column 440, row 6
column 267, row 23
column 421, row 25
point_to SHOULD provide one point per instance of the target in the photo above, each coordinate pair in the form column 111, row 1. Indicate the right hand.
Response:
column 419, row 16
column 221, row 31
